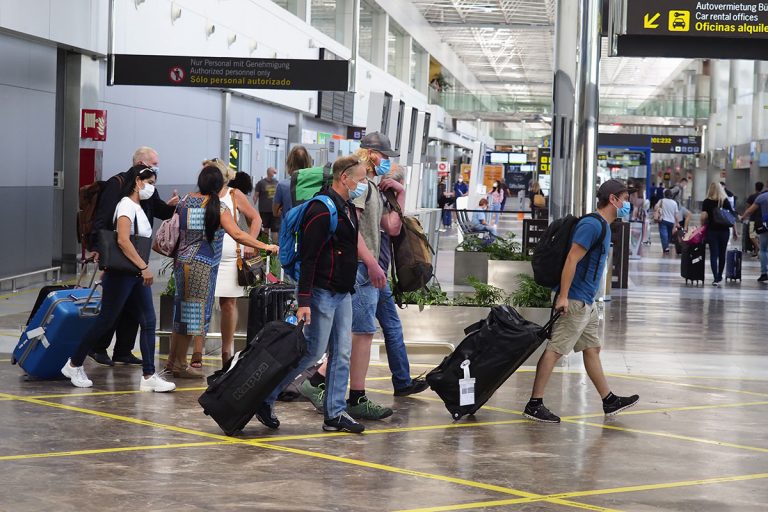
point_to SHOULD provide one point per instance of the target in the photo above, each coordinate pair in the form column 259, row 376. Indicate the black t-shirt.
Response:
column 757, row 216
column 709, row 205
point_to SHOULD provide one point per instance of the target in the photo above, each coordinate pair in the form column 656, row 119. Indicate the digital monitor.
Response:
column 518, row 158
column 499, row 158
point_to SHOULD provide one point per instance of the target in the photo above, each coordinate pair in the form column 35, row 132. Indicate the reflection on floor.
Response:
column 696, row 442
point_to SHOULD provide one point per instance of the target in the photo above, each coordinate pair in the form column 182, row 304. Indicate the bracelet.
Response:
column 145, row 268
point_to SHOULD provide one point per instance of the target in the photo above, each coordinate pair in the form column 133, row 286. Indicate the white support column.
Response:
column 404, row 50
column 379, row 39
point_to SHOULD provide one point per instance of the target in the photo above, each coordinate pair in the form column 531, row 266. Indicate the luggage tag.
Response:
column 235, row 359
column 38, row 332
column 466, row 386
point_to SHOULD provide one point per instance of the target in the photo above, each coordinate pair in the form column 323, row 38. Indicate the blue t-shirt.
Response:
column 585, row 284
column 460, row 189
column 283, row 195
column 762, row 202
column 478, row 218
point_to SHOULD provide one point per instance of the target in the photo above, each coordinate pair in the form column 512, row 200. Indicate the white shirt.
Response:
column 669, row 210
column 127, row 208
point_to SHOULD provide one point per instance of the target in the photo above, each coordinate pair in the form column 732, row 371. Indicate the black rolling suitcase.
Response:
column 267, row 303
column 692, row 263
column 733, row 265
column 492, row 351
column 237, row 390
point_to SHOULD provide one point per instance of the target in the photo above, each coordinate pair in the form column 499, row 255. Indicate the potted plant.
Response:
column 497, row 263
column 532, row 301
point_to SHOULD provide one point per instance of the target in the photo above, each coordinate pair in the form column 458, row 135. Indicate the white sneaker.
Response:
column 77, row 375
column 157, row 384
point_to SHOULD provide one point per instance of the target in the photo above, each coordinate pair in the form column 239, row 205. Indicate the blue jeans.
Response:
column 763, row 253
column 331, row 329
column 665, row 230
column 123, row 291
column 496, row 207
column 718, row 245
column 389, row 320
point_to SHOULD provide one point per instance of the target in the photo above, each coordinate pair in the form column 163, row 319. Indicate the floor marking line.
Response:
column 672, row 436
column 668, row 409
column 686, row 385
column 94, row 393
column 597, row 492
column 360, row 463
column 98, row 451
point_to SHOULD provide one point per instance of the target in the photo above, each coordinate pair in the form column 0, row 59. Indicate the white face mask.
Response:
column 146, row 192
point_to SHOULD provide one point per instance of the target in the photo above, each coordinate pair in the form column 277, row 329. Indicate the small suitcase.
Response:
column 733, row 265
column 237, row 390
column 46, row 290
column 267, row 303
column 492, row 351
column 692, row 263
column 56, row 330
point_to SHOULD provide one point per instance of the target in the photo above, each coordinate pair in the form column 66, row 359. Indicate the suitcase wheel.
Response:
column 456, row 415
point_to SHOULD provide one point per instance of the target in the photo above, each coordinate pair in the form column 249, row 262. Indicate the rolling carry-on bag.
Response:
column 733, row 265
column 46, row 290
column 56, row 330
column 268, row 303
column 236, row 391
column 692, row 263
column 492, row 351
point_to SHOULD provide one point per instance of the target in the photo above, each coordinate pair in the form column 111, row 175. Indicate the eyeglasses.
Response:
column 357, row 162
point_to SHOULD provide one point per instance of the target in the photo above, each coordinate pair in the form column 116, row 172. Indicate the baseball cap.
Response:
column 378, row 142
column 611, row 187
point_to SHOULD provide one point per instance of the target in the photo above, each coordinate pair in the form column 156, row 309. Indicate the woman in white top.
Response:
column 668, row 214
column 127, row 290
column 227, row 288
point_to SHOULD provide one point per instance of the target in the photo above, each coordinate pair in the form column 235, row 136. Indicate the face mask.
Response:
column 358, row 191
column 624, row 210
column 461, row 180
column 384, row 167
column 146, row 192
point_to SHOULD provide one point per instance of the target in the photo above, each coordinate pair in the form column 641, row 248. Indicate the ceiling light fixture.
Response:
column 210, row 28
column 231, row 40
column 137, row 3
column 175, row 12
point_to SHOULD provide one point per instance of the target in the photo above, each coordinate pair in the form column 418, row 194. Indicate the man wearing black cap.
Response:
column 577, row 329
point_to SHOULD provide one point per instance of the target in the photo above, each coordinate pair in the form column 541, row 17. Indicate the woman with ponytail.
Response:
column 203, row 220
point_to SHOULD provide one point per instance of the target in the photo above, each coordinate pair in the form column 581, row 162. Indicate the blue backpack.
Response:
column 290, row 233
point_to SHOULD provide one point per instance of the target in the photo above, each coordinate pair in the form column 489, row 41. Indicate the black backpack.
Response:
column 552, row 250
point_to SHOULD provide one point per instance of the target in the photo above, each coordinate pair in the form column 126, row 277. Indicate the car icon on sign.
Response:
column 678, row 23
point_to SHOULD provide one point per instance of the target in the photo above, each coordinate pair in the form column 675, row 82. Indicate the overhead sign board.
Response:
column 677, row 144
column 229, row 72
column 686, row 18
column 544, row 161
column 689, row 29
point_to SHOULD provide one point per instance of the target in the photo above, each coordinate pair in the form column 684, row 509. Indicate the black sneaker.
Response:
column 418, row 385
column 102, row 358
column 621, row 403
column 540, row 413
column 129, row 359
column 343, row 423
column 763, row 278
column 267, row 418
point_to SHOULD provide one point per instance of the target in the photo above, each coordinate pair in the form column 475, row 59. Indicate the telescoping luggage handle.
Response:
column 546, row 331
column 91, row 308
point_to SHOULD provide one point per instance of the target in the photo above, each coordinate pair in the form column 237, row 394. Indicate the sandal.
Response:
column 197, row 360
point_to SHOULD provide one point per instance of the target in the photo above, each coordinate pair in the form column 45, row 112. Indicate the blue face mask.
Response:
column 624, row 210
column 384, row 167
column 358, row 191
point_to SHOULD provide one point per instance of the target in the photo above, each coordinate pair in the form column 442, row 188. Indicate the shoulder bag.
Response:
column 249, row 271
column 723, row 217
column 112, row 258
column 167, row 236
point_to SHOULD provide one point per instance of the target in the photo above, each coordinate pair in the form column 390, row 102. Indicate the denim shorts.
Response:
column 364, row 302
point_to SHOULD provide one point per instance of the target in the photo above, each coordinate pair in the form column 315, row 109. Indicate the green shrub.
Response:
column 530, row 294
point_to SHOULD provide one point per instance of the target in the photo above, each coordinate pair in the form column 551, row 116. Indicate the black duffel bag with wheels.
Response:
column 236, row 391
column 492, row 351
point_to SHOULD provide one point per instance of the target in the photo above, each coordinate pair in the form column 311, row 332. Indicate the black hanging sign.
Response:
column 229, row 72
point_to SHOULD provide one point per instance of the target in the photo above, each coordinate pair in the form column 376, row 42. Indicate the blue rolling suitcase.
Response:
column 733, row 265
column 56, row 330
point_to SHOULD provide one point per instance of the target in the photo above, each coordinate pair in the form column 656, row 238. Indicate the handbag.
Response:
column 113, row 258
column 723, row 218
column 167, row 236
column 695, row 236
column 539, row 201
column 249, row 271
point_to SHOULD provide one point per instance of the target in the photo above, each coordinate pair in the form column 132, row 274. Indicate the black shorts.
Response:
column 267, row 220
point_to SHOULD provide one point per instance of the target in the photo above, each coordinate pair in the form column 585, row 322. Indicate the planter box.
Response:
column 504, row 274
column 467, row 264
column 165, row 324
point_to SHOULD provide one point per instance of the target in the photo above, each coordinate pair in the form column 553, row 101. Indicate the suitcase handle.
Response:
column 84, row 270
column 546, row 331
column 90, row 307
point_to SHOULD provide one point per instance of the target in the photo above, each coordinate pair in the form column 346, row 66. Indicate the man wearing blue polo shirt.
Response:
column 577, row 329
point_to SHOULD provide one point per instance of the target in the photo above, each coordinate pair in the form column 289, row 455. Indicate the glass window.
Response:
column 323, row 17
column 366, row 30
column 395, row 40
column 418, row 72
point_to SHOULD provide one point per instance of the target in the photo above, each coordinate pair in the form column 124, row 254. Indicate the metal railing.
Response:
column 13, row 279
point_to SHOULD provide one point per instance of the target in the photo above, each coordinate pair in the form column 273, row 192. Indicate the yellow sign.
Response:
column 466, row 171
column 492, row 174
column 650, row 21
column 679, row 21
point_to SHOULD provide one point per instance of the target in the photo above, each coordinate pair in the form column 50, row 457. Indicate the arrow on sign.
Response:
column 651, row 22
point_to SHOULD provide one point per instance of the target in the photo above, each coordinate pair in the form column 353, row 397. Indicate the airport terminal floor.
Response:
column 697, row 440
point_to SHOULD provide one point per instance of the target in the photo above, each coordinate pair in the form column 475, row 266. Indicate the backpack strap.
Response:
column 598, row 242
column 331, row 205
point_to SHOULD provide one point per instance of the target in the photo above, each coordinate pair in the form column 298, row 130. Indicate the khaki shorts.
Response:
column 578, row 330
column 752, row 232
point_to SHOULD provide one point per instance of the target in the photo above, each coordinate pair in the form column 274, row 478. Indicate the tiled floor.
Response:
column 696, row 442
